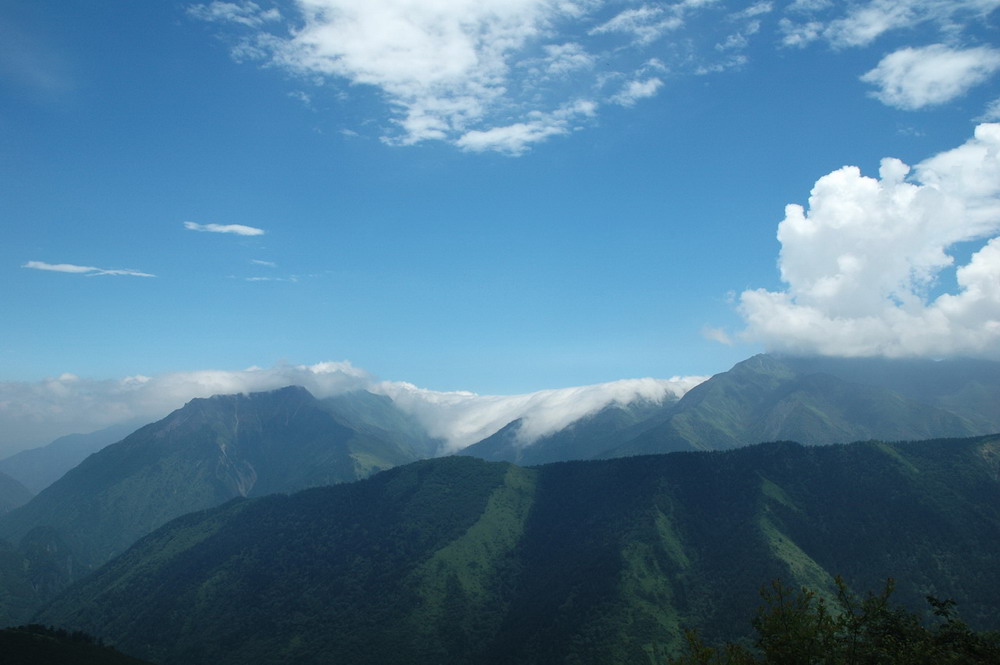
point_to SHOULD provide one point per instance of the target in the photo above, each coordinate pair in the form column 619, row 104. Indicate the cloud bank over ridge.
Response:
column 866, row 263
column 33, row 414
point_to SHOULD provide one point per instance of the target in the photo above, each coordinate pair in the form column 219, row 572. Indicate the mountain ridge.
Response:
column 209, row 451
column 457, row 560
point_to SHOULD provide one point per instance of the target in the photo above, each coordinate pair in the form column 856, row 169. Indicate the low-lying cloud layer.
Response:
column 463, row 418
column 33, row 414
column 866, row 263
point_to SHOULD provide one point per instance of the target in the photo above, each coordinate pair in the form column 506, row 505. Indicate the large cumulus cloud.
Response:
column 864, row 263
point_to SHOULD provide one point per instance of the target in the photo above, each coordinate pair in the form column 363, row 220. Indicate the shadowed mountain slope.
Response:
column 457, row 560
column 204, row 454
column 31, row 645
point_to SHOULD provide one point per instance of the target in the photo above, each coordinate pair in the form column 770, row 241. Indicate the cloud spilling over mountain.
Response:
column 867, row 263
column 35, row 413
column 463, row 418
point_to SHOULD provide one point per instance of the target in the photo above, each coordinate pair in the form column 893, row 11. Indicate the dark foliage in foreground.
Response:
column 34, row 644
column 801, row 628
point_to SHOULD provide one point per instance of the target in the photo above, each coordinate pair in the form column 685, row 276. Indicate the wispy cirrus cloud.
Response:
column 237, row 229
column 506, row 75
column 292, row 279
column 855, row 24
column 992, row 112
column 644, row 24
column 483, row 75
column 633, row 91
column 246, row 13
column 89, row 271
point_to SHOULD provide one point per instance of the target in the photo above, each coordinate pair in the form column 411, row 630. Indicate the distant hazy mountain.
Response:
column 12, row 494
column 457, row 560
column 38, row 468
column 827, row 400
column 208, row 452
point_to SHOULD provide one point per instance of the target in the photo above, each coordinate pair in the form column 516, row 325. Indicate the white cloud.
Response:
column 992, row 112
column 636, row 90
column 463, row 418
column 861, row 23
column 443, row 64
column 808, row 6
column 799, row 34
column 561, row 59
column 293, row 279
column 645, row 24
column 259, row 262
column 754, row 10
column 238, row 229
column 247, row 13
column 912, row 78
column 497, row 75
column 89, row 271
column 36, row 413
column 482, row 75
column 716, row 335
column 861, row 264
column 515, row 139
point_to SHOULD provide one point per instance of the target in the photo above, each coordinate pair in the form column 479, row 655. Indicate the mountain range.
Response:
column 250, row 446
column 208, row 452
column 457, row 560
column 814, row 401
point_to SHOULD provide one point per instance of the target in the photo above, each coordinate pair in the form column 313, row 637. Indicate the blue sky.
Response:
column 499, row 197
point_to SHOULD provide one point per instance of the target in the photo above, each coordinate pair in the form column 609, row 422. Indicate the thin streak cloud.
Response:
column 89, row 271
column 237, row 229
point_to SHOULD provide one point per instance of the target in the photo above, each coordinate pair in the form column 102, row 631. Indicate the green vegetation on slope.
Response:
column 823, row 401
column 200, row 456
column 802, row 628
column 457, row 560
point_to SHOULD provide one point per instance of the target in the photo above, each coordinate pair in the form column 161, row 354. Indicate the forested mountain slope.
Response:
column 456, row 560
column 204, row 454
column 818, row 401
